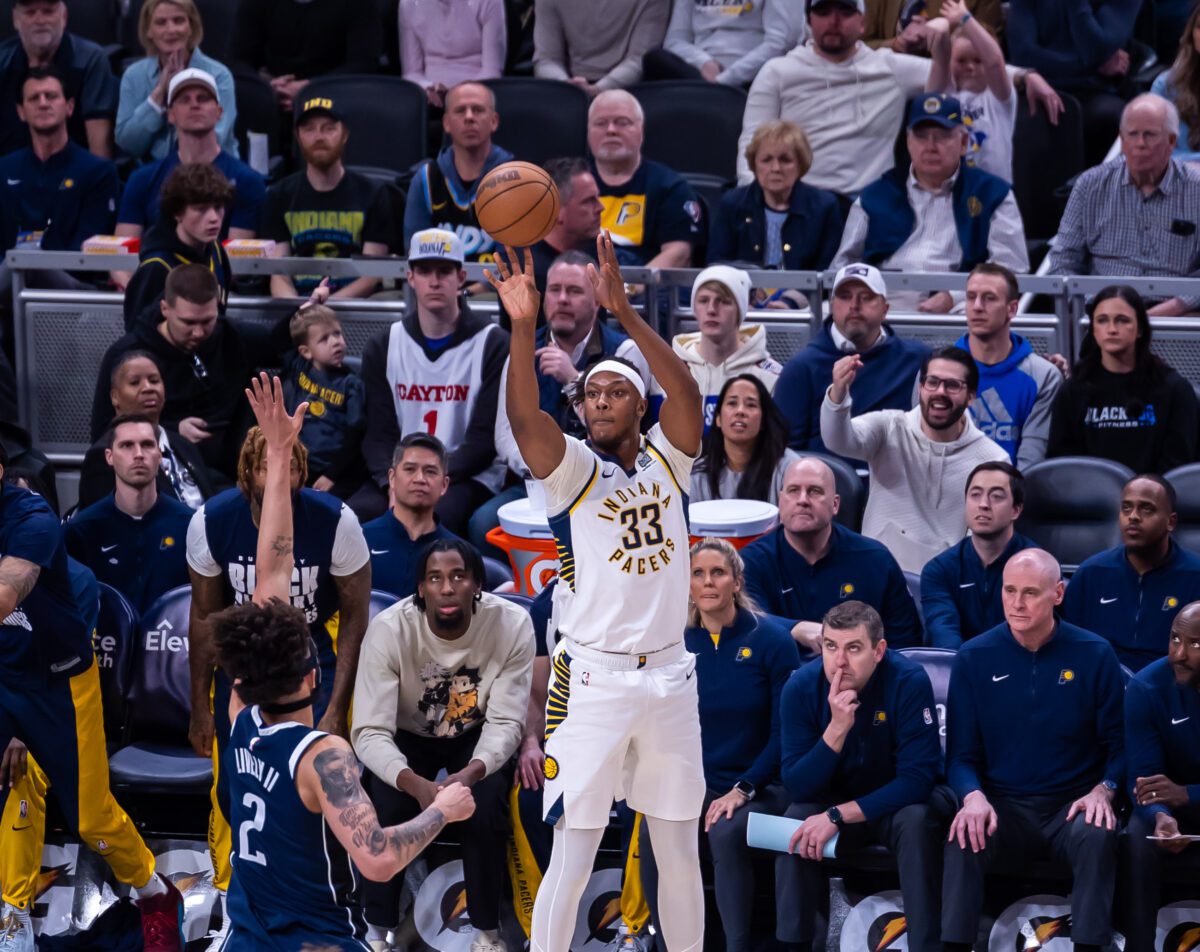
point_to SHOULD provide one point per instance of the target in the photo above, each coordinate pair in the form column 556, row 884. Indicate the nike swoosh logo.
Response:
column 109, row 548
column 690, row 675
column 1180, row 720
column 966, row 584
column 436, row 205
column 380, row 551
column 1108, row 601
column 608, row 473
column 999, row 678
column 786, row 590
column 18, row 829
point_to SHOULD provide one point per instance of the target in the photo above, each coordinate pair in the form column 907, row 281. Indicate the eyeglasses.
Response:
column 952, row 387
column 199, row 371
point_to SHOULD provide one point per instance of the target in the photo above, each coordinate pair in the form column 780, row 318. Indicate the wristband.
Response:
column 965, row 17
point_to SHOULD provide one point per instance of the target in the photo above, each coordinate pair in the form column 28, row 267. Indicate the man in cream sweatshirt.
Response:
column 444, row 679
column 919, row 459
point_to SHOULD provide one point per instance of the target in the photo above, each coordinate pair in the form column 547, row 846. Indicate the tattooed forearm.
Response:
column 337, row 770
column 18, row 575
column 408, row 839
column 363, row 823
column 281, row 545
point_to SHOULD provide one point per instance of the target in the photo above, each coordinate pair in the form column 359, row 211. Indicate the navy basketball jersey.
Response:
column 292, row 881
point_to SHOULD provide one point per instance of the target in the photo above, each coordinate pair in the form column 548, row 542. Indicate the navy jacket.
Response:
column 1162, row 732
column 394, row 554
column 1134, row 612
column 739, row 681
column 140, row 558
column 960, row 596
column 70, row 197
column 782, row 582
column 810, row 234
column 892, row 754
column 885, row 382
column 1022, row 723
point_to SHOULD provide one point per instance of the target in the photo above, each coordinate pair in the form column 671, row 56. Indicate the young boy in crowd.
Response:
column 336, row 418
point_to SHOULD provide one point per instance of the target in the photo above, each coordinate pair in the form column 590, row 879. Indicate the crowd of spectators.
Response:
column 877, row 138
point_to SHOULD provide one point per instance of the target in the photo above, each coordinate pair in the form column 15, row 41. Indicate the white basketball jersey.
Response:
column 622, row 545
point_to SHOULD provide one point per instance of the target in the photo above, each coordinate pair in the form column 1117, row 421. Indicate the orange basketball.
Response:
column 517, row 204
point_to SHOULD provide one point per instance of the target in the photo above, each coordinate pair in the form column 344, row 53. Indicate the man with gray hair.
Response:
column 651, row 212
column 578, row 222
column 1136, row 215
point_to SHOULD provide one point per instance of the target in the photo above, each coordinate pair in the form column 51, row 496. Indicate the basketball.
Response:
column 517, row 204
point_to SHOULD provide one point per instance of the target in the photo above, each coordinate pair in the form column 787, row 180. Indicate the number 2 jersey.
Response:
column 622, row 539
column 292, row 881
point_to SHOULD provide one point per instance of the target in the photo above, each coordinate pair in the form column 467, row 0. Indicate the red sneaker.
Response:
column 162, row 918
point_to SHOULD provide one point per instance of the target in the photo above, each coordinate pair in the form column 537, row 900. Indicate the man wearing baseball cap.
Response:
column 938, row 215
column 325, row 210
column 42, row 40
column 437, row 371
column 193, row 110
column 856, row 325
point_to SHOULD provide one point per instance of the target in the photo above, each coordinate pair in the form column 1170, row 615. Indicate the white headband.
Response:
column 624, row 370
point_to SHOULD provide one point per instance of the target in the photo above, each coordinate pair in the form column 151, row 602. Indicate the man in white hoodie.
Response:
column 920, row 460
column 848, row 98
column 722, row 348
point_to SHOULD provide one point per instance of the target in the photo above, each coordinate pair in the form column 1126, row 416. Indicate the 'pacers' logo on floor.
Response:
column 440, row 910
column 876, row 924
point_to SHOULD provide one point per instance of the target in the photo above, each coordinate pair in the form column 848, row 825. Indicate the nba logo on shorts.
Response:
column 586, row 678
column 23, row 811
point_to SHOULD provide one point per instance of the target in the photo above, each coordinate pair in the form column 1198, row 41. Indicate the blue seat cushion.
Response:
column 160, row 765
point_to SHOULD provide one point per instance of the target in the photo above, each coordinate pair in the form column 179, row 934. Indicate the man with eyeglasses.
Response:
column 919, row 459
column 651, row 212
column 937, row 215
column 205, row 363
column 1135, row 215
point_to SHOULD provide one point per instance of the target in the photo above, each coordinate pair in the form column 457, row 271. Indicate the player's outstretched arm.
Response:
column 328, row 782
column 538, row 437
column 681, row 415
column 274, row 561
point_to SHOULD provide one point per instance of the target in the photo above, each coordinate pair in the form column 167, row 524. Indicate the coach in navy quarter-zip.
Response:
column 1131, row 594
column 1035, row 751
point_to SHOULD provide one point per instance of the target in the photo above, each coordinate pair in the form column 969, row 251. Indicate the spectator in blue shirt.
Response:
column 857, row 325
column 1162, row 736
column 960, row 589
column 1035, row 751
column 810, row 563
column 860, row 756
column 134, row 539
column 193, row 110
column 417, row 480
column 170, row 31
column 56, row 194
column 42, row 40
column 1130, row 594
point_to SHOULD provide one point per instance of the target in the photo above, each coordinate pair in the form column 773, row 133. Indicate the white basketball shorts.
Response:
column 622, row 727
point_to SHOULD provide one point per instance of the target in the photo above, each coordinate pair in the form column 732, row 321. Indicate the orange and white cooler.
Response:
column 738, row 521
column 524, row 533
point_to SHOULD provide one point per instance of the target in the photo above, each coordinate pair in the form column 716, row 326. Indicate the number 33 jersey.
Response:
column 622, row 540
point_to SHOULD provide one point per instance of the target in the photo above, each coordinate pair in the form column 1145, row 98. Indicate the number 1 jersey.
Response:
column 622, row 539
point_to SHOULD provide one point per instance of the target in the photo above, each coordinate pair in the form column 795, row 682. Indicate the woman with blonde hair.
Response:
column 170, row 31
column 777, row 221
column 1181, row 85
column 743, row 660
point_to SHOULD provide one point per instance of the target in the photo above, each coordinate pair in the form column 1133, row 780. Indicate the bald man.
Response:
column 1162, row 735
column 1035, row 751
column 810, row 564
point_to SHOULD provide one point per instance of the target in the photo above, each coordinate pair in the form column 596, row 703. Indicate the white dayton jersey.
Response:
column 622, row 545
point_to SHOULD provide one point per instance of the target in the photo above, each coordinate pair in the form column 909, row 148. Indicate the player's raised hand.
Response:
column 266, row 400
column 455, row 802
column 515, row 285
column 607, row 282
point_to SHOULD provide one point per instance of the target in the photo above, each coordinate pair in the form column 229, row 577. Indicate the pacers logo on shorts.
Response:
column 550, row 768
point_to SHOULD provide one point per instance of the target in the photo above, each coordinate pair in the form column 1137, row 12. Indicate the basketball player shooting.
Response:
column 621, row 720
column 293, row 789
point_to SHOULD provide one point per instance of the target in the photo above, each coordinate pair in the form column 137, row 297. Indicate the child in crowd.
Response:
column 969, row 64
column 336, row 418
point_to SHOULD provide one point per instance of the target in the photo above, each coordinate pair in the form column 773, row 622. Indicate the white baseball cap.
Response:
column 436, row 244
column 191, row 77
column 867, row 274
column 735, row 279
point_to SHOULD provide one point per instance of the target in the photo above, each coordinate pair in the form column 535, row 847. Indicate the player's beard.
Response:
column 448, row 622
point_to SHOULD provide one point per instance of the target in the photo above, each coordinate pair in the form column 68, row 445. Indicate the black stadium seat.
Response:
column 1045, row 158
column 386, row 117
column 257, row 112
column 1071, row 506
column 115, row 641
column 540, row 119
column 157, row 755
column 1186, row 480
column 849, row 487
column 692, row 125
column 496, row 573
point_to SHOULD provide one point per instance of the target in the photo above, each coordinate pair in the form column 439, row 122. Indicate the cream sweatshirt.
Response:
column 409, row 679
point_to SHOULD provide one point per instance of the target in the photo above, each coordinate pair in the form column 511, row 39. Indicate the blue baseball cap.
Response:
column 945, row 110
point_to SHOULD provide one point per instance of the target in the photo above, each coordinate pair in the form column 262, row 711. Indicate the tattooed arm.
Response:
column 328, row 781
column 17, row 578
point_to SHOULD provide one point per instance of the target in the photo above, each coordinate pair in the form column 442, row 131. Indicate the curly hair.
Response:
column 196, row 183
column 254, row 451
column 265, row 648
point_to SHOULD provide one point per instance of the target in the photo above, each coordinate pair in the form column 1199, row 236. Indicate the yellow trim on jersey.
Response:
column 586, row 489
column 559, row 693
column 654, row 451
